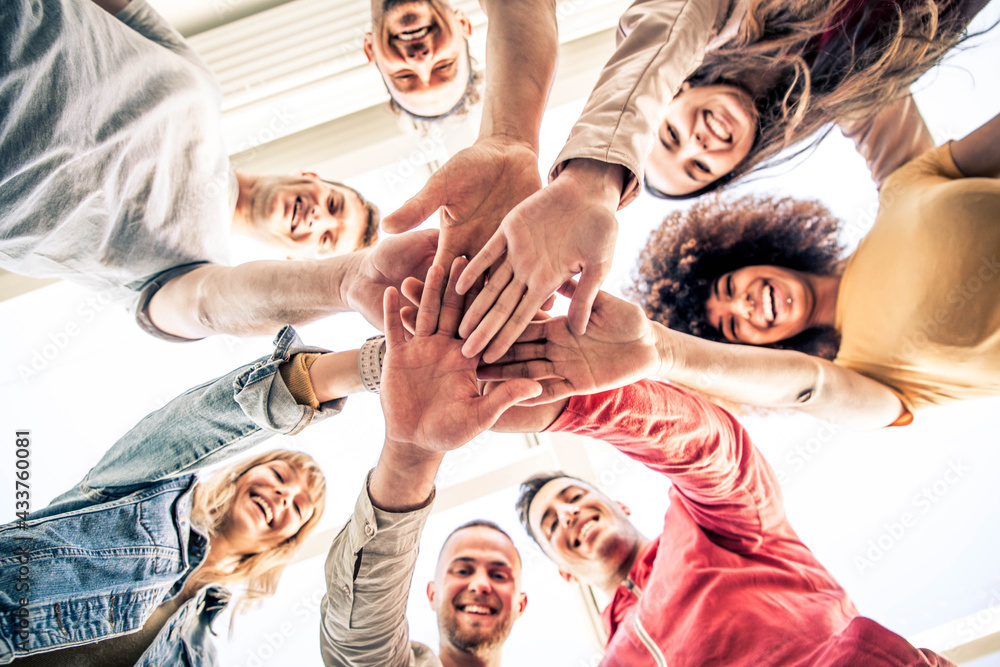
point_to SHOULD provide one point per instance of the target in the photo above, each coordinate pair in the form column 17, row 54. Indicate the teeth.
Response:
column 268, row 515
column 769, row 303
column 476, row 609
column 717, row 127
column 413, row 35
column 586, row 530
column 295, row 214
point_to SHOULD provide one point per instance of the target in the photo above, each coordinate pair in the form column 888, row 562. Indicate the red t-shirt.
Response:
column 732, row 583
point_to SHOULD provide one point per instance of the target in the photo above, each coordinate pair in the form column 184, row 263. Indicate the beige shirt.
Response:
column 919, row 304
column 368, row 574
column 660, row 43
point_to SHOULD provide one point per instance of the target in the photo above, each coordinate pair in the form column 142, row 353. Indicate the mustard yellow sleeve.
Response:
column 295, row 373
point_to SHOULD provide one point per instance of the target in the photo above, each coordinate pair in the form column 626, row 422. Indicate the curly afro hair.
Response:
column 693, row 248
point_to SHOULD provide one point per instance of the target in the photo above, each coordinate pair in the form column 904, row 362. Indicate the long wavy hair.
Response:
column 688, row 253
column 258, row 573
column 876, row 51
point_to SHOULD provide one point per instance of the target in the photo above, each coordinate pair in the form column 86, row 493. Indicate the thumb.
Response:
column 417, row 208
column 504, row 396
column 583, row 299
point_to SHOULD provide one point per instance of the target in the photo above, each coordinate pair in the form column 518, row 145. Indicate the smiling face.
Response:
column 758, row 305
column 476, row 591
column 272, row 502
column 706, row 133
column 304, row 216
column 421, row 52
column 588, row 535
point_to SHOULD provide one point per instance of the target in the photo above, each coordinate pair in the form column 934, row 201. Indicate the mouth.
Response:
column 717, row 127
column 295, row 214
column 767, row 303
column 477, row 609
column 265, row 508
column 584, row 530
column 414, row 34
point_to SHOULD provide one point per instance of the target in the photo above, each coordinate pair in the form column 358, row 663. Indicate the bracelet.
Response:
column 370, row 363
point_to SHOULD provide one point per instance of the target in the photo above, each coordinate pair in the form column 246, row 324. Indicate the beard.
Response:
column 392, row 4
column 474, row 641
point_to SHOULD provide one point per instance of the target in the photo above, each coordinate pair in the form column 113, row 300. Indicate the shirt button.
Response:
column 347, row 590
column 369, row 530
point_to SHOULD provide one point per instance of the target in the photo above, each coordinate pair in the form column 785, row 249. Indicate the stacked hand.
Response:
column 567, row 228
column 618, row 348
column 430, row 395
column 475, row 189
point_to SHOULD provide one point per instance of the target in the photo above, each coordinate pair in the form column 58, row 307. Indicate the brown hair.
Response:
column 876, row 52
column 214, row 500
column 688, row 253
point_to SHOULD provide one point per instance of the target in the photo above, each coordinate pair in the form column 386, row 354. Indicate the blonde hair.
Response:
column 213, row 501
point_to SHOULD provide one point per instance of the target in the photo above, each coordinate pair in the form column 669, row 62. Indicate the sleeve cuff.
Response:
column 295, row 373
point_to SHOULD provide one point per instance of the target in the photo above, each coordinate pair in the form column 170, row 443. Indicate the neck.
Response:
column 241, row 216
column 618, row 577
column 825, row 291
column 453, row 657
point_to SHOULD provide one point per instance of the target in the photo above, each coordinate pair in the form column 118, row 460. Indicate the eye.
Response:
column 576, row 496
column 673, row 134
column 499, row 575
column 700, row 166
column 278, row 475
column 729, row 286
column 298, row 510
column 444, row 66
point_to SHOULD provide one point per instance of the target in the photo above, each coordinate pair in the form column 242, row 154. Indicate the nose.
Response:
column 566, row 514
column 418, row 52
column 480, row 582
column 701, row 139
column 743, row 306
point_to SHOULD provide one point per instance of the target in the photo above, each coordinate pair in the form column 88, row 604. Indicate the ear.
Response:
column 686, row 86
column 310, row 174
column 369, row 47
column 567, row 577
column 522, row 602
column 465, row 25
column 430, row 595
column 624, row 507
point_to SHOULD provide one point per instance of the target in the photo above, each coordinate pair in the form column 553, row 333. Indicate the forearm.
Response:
column 978, row 154
column 776, row 379
column 521, row 46
column 256, row 298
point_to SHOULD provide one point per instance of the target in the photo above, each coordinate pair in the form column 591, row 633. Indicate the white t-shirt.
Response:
column 112, row 166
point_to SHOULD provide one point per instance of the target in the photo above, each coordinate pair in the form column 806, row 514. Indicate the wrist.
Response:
column 345, row 273
column 335, row 375
column 665, row 350
column 600, row 180
column 404, row 476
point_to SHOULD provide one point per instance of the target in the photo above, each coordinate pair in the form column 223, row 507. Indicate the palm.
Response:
column 430, row 395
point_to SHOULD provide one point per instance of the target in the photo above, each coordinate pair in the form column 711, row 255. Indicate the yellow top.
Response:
column 919, row 304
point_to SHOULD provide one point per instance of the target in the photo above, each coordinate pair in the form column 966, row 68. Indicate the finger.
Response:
column 430, row 302
column 444, row 257
column 533, row 370
column 417, row 208
column 551, row 301
column 514, row 326
column 451, row 308
column 551, row 392
column 495, row 320
column 487, row 257
column 567, row 289
column 583, row 300
column 412, row 288
column 523, row 352
column 501, row 398
column 484, row 302
column 409, row 316
column 394, row 332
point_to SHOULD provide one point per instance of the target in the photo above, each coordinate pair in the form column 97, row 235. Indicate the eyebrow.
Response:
column 469, row 559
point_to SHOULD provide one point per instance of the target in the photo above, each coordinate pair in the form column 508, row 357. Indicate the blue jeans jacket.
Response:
column 105, row 554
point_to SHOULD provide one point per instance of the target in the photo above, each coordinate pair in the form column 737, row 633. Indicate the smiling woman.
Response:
column 148, row 546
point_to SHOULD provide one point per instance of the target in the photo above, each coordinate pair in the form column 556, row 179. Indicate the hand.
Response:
column 430, row 395
column 386, row 265
column 619, row 348
column 567, row 228
column 475, row 189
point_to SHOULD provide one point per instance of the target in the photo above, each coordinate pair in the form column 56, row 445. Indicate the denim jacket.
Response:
column 105, row 554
